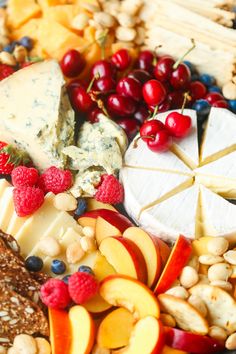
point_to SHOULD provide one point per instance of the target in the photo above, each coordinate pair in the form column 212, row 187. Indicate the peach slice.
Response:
column 115, row 329
column 124, row 291
column 125, row 257
column 60, row 332
column 147, row 337
column 150, row 249
column 82, row 329
column 97, row 305
column 93, row 204
column 102, row 268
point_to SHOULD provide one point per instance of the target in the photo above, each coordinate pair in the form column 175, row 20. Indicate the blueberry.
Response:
column 81, row 207
column 202, row 107
column 214, row 89
column 27, row 42
column 58, row 267
column 34, row 264
column 190, row 66
column 66, row 278
column 232, row 105
column 207, row 79
column 9, row 48
column 85, row 269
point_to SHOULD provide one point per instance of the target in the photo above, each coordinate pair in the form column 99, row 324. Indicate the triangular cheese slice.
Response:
column 143, row 188
column 174, row 216
column 219, row 176
column 220, row 135
column 142, row 157
column 218, row 215
column 35, row 113
column 187, row 148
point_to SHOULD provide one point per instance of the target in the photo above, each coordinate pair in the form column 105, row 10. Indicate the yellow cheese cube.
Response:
column 19, row 13
column 48, row 3
column 62, row 14
column 29, row 29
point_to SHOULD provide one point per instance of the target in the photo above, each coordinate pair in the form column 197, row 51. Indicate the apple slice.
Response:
column 150, row 249
column 124, row 291
column 60, row 332
column 82, row 329
column 97, row 305
column 93, row 204
column 102, row 268
column 186, row 316
column 125, row 257
column 115, row 329
column 164, row 251
column 148, row 337
column 191, row 342
column 169, row 350
column 178, row 258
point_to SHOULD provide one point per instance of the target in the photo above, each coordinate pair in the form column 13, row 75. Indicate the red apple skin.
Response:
column 191, row 342
column 161, row 339
column 136, row 256
column 164, row 250
column 114, row 218
column 178, row 258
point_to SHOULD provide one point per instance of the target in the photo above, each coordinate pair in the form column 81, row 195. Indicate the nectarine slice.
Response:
column 125, row 257
column 82, row 329
column 115, row 329
column 60, row 332
column 147, row 337
column 97, row 305
column 93, row 204
column 102, row 268
column 124, row 291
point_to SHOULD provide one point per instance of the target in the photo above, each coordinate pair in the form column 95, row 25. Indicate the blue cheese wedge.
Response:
column 85, row 183
column 36, row 115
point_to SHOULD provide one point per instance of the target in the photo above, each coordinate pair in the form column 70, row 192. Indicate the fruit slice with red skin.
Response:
column 97, row 305
column 169, row 350
column 60, row 333
column 115, row 329
column 82, row 329
column 124, row 291
column 191, row 342
column 125, row 257
column 150, row 249
column 178, row 258
column 148, row 337
column 164, row 251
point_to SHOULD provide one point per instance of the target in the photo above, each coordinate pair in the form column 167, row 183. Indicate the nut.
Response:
column 50, row 247
column 209, row 259
column 131, row 6
column 126, row 20
column 112, row 7
column 104, row 19
column 125, row 34
column 88, row 231
column 231, row 342
column 188, row 277
column 43, row 346
column 88, row 244
column 217, row 246
column 167, row 320
column 7, row 58
column 178, row 291
column 74, row 252
column 194, row 263
column 20, row 53
column 219, row 271
column 197, row 302
column 65, row 202
column 230, row 257
column 229, row 91
column 25, row 344
column 217, row 333
column 140, row 36
column 225, row 285
column 80, row 21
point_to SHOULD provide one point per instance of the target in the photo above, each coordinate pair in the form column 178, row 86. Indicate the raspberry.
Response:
column 27, row 200
column 110, row 190
column 54, row 293
column 82, row 286
column 24, row 176
column 55, row 180
column 5, row 71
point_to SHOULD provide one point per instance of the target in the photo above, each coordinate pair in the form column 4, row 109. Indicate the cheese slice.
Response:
column 174, row 216
column 220, row 135
column 143, row 188
column 15, row 223
column 186, row 149
column 218, row 215
column 6, row 208
column 219, row 176
column 143, row 157
column 35, row 113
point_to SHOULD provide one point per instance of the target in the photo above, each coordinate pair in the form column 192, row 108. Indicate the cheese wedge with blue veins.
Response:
column 35, row 113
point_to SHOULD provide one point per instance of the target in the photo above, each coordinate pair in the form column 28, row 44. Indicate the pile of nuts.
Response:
column 23, row 343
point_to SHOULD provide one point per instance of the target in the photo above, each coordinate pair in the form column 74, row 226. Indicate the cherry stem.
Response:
column 154, row 62
column 186, row 96
column 176, row 64
column 135, row 145
column 155, row 111
column 96, row 77
column 100, row 104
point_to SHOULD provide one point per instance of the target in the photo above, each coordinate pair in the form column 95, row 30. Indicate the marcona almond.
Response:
column 50, row 246
column 219, row 271
column 125, row 34
column 188, row 277
column 80, row 21
column 88, row 244
column 74, row 252
column 126, row 20
column 178, row 291
column 104, row 19
column 218, row 246
column 231, row 342
column 209, row 259
column 25, row 344
column 7, row 58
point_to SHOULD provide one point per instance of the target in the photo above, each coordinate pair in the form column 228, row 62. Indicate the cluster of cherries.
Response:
column 130, row 91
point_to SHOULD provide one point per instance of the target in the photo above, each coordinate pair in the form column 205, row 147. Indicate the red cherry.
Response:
column 121, row 105
column 213, row 97
column 129, row 125
column 93, row 115
column 5, row 71
column 145, row 60
column 220, row 104
column 180, row 77
column 150, row 128
column 81, row 100
column 121, row 59
column 176, row 99
column 179, row 125
column 197, row 90
column 140, row 75
column 161, row 142
column 129, row 87
column 102, row 68
column 104, row 84
column 164, row 68
column 72, row 63
column 164, row 106
column 141, row 114
column 154, row 92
